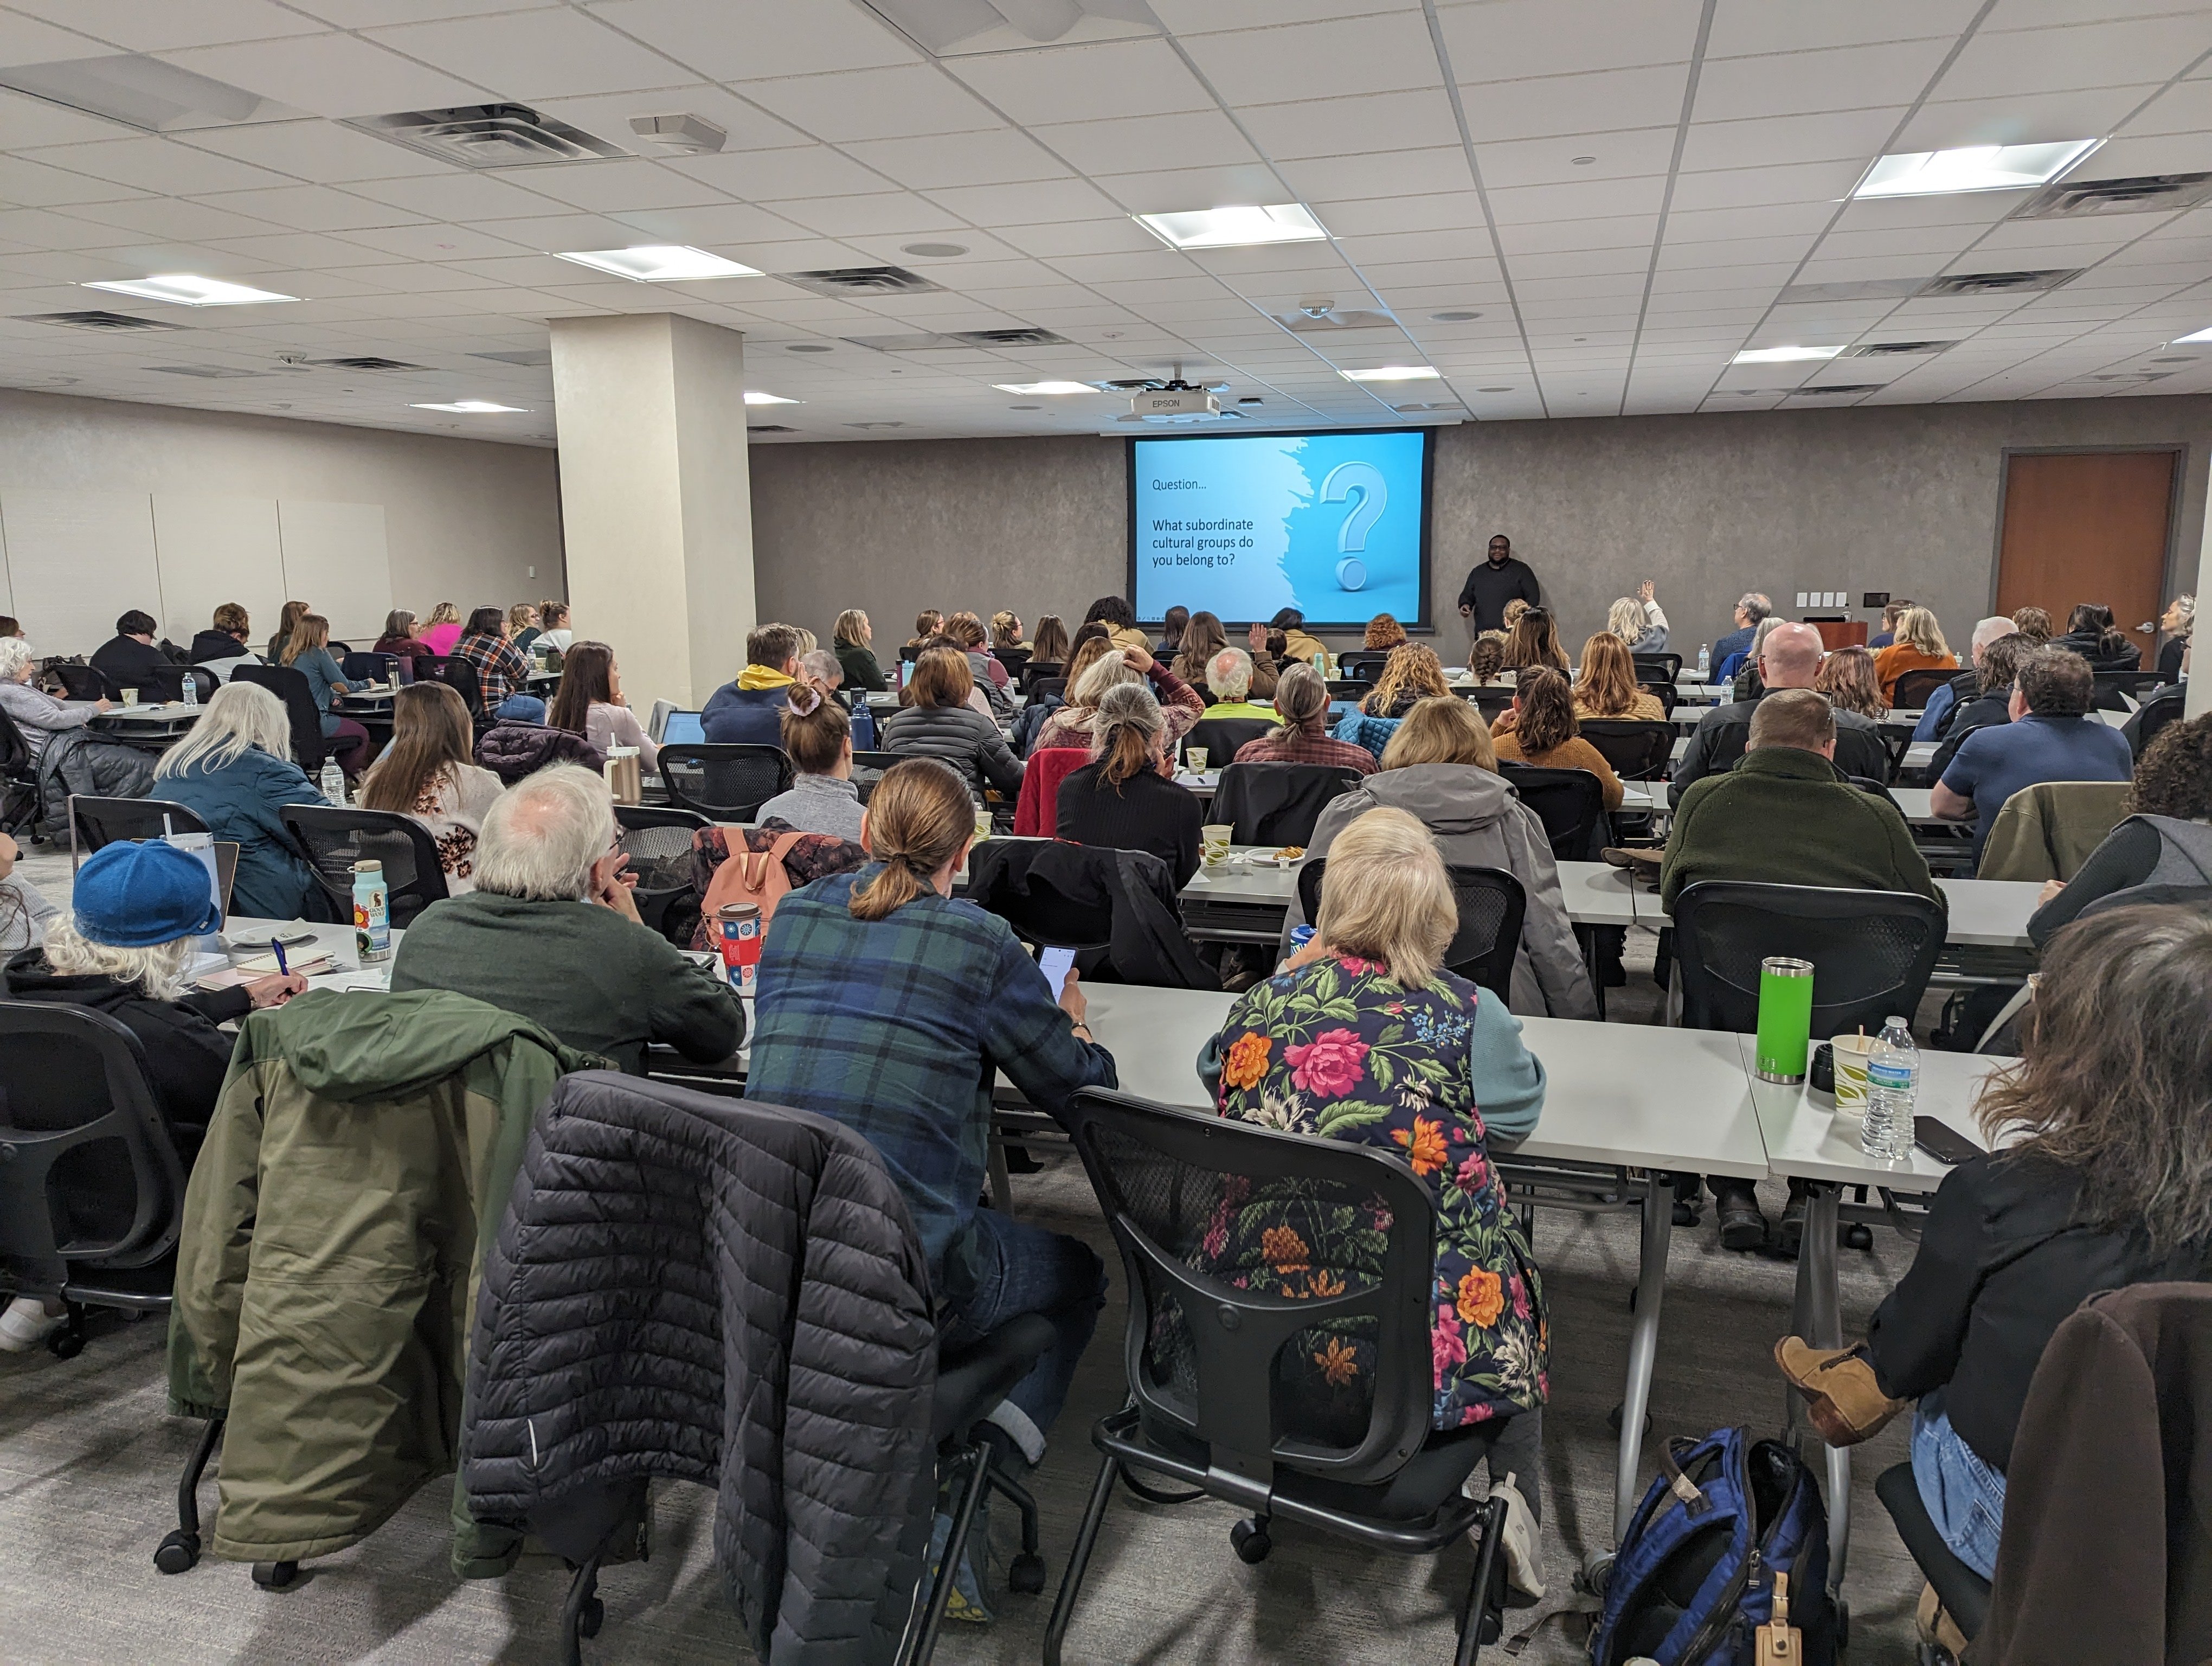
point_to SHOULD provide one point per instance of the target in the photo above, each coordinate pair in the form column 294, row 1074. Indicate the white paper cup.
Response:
column 1193, row 759
column 1851, row 1054
column 1213, row 842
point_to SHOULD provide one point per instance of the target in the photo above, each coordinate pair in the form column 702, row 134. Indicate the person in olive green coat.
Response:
column 1783, row 816
column 358, row 1163
column 551, row 932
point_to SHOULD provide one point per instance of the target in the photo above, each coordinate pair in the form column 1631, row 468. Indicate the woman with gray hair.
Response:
column 551, row 897
column 38, row 714
column 235, row 772
column 1124, row 798
column 1071, row 725
column 1302, row 702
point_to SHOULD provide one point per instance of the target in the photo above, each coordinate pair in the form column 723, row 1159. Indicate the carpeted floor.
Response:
column 89, row 1459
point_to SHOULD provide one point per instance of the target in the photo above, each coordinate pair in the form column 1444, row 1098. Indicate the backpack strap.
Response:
column 1678, row 1483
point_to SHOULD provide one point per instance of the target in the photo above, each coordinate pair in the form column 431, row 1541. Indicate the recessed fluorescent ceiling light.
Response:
column 2202, row 335
column 1973, row 167
column 144, row 92
column 753, row 397
column 660, row 264
column 189, row 291
column 1044, row 387
column 1392, row 373
column 470, row 407
column 1783, row 355
column 1234, row 227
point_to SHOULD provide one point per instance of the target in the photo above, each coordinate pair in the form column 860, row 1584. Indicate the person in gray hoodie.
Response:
column 1439, row 766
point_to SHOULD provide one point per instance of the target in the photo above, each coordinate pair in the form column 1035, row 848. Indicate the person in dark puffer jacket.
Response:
column 942, row 724
column 511, row 750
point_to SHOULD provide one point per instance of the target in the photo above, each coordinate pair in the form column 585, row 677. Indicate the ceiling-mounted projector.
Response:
column 1176, row 400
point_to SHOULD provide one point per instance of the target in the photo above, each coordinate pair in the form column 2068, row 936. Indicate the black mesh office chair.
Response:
column 1362, row 665
column 1636, row 751
column 1570, row 803
column 1659, row 667
column 1964, row 1593
column 167, row 682
column 724, row 783
column 94, row 822
column 659, row 843
column 1053, row 687
column 1036, row 671
column 1491, row 906
column 1224, row 1395
column 289, row 685
column 92, row 1189
column 333, row 839
column 1490, row 700
column 2142, row 726
column 1666, row 693
column 868, row 769
column 1912, row 690
column 20, row 802
column 364, row 667
column 460, row 677
column 1222, row 736
column 1277, row 803
column 2111, row 685
column 85, row 682
column 1872, row 951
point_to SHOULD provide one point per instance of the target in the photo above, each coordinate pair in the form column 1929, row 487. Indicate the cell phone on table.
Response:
column 290, row 940
column 1943, row 1143
column 1056, row 965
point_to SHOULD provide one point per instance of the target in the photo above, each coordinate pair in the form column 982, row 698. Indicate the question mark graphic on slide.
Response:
column 1343, row 480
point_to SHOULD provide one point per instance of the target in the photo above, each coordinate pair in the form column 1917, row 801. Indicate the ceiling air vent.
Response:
column 97, row 320
column 1026, row 335
column 530, row 358
column 1329, row 323
column 771, row 427
column 212, row 373
column 369, row 362
column 1833, row 389
column 915, row 341
column 1863, row 289
column 2132, row 376
column 2147, row 193
column 1996, row 284
column 875, row 425
column 488, row 135
column 862, row 281
column 1896, row 350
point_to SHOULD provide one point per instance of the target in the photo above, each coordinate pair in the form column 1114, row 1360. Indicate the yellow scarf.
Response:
column 764, row 676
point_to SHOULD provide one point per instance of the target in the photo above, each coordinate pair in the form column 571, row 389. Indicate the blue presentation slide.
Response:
column 1330, row 524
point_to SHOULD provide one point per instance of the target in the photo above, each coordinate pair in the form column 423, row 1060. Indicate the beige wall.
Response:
column 1897, row 498
column 465, row 520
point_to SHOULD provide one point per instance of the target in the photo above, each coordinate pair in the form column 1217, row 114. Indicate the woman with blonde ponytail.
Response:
column 890, row 1006
column 1125, row 799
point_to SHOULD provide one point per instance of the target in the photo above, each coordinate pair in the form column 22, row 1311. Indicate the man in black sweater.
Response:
column 128, row 661
column 1497, row 582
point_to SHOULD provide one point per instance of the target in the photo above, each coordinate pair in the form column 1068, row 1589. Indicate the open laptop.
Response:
column 671, row 726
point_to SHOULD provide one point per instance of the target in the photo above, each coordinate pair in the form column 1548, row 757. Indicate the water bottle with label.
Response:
column 191, row 692
column 372, row 916
column 1705, row 662
column 1893, row 1085
column 333, row 784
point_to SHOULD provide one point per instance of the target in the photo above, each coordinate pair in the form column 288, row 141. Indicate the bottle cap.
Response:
column 377, row 868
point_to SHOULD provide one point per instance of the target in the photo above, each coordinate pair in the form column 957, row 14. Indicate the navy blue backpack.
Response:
column 1694, row 1575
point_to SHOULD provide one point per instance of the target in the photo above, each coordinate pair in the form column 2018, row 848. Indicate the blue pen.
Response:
column 282, row 969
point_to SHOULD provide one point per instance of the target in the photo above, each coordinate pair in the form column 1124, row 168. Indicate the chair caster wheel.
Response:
column 179, row 1552
column 1251, row 1543
column 593, row 1616
column 1857, row 1235
column 1597, row 1572
column 66, row 1344
column 276, row 1576
column 1026, row 1573
column 1612, row 1421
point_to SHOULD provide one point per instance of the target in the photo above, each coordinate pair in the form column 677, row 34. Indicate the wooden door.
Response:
column 2088, row 527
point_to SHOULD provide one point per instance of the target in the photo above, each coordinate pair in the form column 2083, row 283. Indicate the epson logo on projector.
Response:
column 1191, row 403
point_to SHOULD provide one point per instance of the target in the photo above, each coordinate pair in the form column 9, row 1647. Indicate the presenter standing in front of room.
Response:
column 1493, row 584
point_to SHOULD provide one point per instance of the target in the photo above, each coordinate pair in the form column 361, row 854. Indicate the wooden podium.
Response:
column 1839, row 633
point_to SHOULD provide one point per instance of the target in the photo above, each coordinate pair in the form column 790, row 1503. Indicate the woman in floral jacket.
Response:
column 1363, row 1036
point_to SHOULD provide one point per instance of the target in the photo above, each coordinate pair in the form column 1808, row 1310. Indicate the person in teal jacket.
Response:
column 235, row 773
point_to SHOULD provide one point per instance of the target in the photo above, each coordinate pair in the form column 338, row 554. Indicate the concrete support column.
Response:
column 656, row 505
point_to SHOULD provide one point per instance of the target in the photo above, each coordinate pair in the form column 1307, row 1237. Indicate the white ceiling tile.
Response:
column 27, row 41
column 304, row 208
column 1388, row 53
column 531, row 55
column 1533, row 204
column 317, row 150
column 1136, row 144
column 1176, row 189
column 627, row 185
column 304, row 252
column 1759, row 187
column 1040, row 202
column 153, row 26
column 1114, row 234
column 461, row 197
column 2021, row 118
column 1373, row 123
column 1854, row 136
column 152, row 164
column 433, row 243
column 330, row 74
column 739, row 40
column 25, row 184
column 795, row 171
column 42, row 229
column 990, row 156
column 874, row 104
column 1112, row 79
column 2162, row 153
column 2006, row 63
column 171, row 217
column 1552, row 161
column 1470, row 244
column 1330, row 178
column 1559, row 236
column 1798, row 220
column 1761, row 25
column 884, row 213
column 1549, row 105
column 1798, row 83
column 1507, row 39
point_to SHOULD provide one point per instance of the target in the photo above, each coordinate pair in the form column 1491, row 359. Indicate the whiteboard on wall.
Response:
column 218, row 549
column 76, row 560
column 336, row 560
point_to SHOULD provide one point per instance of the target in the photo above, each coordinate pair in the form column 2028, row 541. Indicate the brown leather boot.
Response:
column 1935, row 1626
column 1845, row 1403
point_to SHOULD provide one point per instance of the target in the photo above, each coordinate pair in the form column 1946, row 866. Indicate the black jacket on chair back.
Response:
column 722, row 1292
column 1085, row 893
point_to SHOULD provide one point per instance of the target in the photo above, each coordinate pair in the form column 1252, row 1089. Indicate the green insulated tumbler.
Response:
column 1786, row 1018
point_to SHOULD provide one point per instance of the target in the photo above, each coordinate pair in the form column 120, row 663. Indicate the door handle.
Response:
column 2148, row 626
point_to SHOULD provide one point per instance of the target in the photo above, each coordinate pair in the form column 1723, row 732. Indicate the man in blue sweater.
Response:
column 2052, row 737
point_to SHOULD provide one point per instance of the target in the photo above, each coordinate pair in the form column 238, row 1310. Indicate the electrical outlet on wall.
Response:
column 1804, row 599
column 533, row 572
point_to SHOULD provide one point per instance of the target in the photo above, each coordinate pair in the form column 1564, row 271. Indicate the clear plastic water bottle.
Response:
column 333, row 783
column 191, row 695
column 1705, row 661
column 1892, row 1085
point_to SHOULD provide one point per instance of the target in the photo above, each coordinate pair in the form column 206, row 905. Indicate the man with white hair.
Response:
column 551, row 933
column 1229, row 676
column 1751, row 607
column 1935, row 718
column 1788, row 658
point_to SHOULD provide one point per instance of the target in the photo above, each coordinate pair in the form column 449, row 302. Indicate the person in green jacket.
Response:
column 1783, row 816
column 551, row 933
